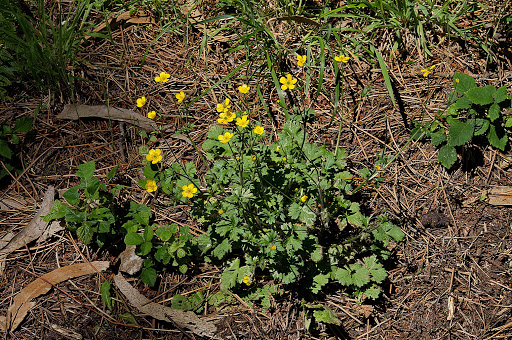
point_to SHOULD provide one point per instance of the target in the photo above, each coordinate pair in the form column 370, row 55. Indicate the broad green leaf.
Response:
column 319, row 281
column 463, row 82
column 460, row 133
column 317, row 254
column 494, row 112
column 326, row 315
column 112, row 172
column 183, row 268
column 481, row 95
column 72, row 196
column 497, row 137
column 5, row 150
column 58, row 211
column 501, row 94
column 133, row 239
column 148, row 276
column 23, row 124
column 508, row 123
column 93, row 184
column 481, row 126
column 438, row 137
column 162, row 254
column 148, row 233
column 229, row 275
column 145, row 248
column 461, row 104
column 105, row 294
column 372, row 293
column 84, row 233
column 164, row 233
column 86, row 170
column 377, row 272
column 343, row 276
column 150, row 170
column 294, row 210
column 222, row 249
column 360, row 275
column 447, row 156
column 181, row 253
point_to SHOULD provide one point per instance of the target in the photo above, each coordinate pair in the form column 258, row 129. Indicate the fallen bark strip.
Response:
column 188, row 320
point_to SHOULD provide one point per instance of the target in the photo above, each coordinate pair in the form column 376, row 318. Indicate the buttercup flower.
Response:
column 242, row 122
column 180, row 96
column 151, row 185
column 189, row 190
column 221, row 211
column 154, row 156
column 258, row 130
column 288, row 82
column 244, row 88
column 284, row 159
column 273, row 247
column 457, row 80
column 304, row 199
column 225, row 137
column 151, row 115
column 141, row 101
column 247, row 280
column 301, row 60
column 223, row 107
column 278, row 148
column 162, row 78
column 426, row 71
column 343, row 58
column 253, row 158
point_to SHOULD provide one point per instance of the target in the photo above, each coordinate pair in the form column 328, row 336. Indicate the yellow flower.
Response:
column 180, row 96
column 242, row 122
column 278, row 148
column 378, row 167
column 226, row 117
column 284, row 159
column 304, row 199
column 244, row 88
column 273, row 247
column 343, row 58
column 221, row 211
column 154, row 156
column 426, row 71
column 151, row 115
column 162, row 78
column 253, row 158
column 288, row 82
column 237, row 158
column 301, row 60
column 258, row 130
column 247, row 280
column 151, row 185
column 141, row 101
column 223, row 107
column 189, row 190
column 225, row 137
column 457, row 80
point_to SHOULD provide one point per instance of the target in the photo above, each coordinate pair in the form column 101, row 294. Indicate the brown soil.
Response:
column 449, row 279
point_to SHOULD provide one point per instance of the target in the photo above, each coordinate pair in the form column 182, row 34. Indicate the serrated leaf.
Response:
column 377, row 272
column 72, row 196
column 319, row 281
column 462, row 103
column 294, row 210
column 360, row 275
column 86, row 170
column 508, row 123
column 145, row 248
column 181, row 253
column 133, row 239
column 326, row 315
column 58, row 211
column 164, row 233
column 447, row 156
column 148, row 276
column 23, row 124
column 497, row 137
column 317, row 254
column 343, row 276
column 494, row 112
column 229, row 275
column 84, row 233
column 183, row 268
column 481, row 95
column 438, row 137
column 222, row 249
column 463, row 82
column 105, row 294
column 372, row 293
column 481, row 126
column 501, row 94
column 460, row 133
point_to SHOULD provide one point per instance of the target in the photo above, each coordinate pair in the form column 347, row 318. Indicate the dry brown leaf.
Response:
column 139, row 18
column 500, row 195
column 21, row 303
column 74, row 112
column 131, row 263
column 188, row 320
column 10, row 204
column 35, row 227
column 194, row 17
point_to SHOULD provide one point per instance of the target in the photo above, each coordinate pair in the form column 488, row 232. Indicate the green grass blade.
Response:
column 385, row 74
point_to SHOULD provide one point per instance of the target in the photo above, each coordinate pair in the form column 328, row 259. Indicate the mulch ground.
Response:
column 449, row 279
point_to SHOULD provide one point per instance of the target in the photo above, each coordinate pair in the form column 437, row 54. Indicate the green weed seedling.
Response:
column 473, row 111
column 8, row 139
column 88, row 208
